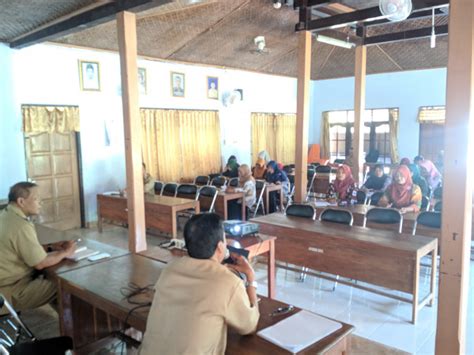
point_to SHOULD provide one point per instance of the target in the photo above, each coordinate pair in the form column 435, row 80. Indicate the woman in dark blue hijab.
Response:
column 276, row 176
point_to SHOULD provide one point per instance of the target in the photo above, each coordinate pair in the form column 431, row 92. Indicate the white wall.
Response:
column 48, row 74
column 406, row 90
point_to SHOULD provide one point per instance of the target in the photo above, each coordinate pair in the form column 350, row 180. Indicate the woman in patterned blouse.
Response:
column 344, row 189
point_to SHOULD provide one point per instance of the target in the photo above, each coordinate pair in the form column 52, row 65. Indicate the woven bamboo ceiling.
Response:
column 222, row 32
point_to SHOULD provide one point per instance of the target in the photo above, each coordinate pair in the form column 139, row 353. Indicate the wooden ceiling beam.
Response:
column 365, row 15
column 90, row 18
column 405, row 35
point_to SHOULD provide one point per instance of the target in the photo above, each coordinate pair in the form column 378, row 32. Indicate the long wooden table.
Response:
column 222, row 199
column 256, row 245
column 160, row 211
column 92, row 307
column 382, row 258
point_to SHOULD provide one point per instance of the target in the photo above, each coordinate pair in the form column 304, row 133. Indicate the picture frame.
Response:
column 142, row 81
column 177, row 84
column 212, row 87
column 89, row 75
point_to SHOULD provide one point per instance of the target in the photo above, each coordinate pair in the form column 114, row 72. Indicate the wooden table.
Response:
column 261, row 245
column 271, row 188
column 92, row 307
column 382, row 258
column 160, row 211
column 220, row 206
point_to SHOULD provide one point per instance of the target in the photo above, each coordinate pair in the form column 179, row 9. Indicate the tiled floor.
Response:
column 375, row 317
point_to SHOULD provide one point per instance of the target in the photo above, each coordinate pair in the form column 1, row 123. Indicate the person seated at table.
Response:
column 377, row 181
column 260, row 169
column 429, row 171
column 148, row 182
column 232, row 168
column 343, row 190
column 21, row 254
column 247, row 186
column 405, row 161
column 402, row 192
column 276, row 176
column 197, row 297
column 418, row 179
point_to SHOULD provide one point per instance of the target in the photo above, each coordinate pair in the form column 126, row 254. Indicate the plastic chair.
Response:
column 187, row 191
column 169, row 189
column 208, row 192
column 259, row 186
column 234, row 182
column 339, row 161
column 323, row 169
column 201, row 180
column 158, row 187
column 438, row 206
column 425, row 203
column 384, row 216
column 336, row 216
column 428, row 219
column 219, row 181
column 212, row 176
column 301, row 210
column 310, row 181
column 362, row 198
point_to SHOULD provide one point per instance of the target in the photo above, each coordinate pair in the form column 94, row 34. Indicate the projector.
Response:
column 236, row 228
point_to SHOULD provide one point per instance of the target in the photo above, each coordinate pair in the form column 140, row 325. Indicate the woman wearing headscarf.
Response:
column 344, row 189
column 148, row 181
column 405, row 161
column 232, row 168
column 402, row 192
column 418, row 179
column 429, row 171
column 377, row 181
column 259, row 169
column 276, row 176
column 247, row 186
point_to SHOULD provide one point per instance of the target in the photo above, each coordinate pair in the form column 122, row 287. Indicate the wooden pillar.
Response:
column 359, row 108
column 127, row 37
column 302, row 115
column 457, row 188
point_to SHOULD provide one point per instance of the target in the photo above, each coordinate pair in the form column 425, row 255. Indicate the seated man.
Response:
column 196, row 297
column 21, row 254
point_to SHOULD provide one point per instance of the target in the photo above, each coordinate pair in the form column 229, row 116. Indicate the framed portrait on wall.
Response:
column 177, row 84
column 212, row 88
column 142, row 81
column 89, row 75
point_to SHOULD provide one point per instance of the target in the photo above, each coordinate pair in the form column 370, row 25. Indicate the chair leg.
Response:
column 335, row 283
column 302, row 277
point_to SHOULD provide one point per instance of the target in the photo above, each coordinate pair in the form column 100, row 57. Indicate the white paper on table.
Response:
column 299, row 331
column 324, row 204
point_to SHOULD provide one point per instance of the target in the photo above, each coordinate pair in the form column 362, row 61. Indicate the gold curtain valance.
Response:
column 275, row 133
column 432, row 115
column 59, row 119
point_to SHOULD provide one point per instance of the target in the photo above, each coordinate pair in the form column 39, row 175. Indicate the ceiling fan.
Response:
column 396, row 10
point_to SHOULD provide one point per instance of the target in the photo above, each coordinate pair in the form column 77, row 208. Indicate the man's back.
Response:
column 195, row 300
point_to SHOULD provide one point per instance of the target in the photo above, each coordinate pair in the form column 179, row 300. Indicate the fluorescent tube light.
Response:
column 335, row 41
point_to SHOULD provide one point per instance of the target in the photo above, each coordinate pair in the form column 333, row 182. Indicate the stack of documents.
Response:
column 299, row 331
column 82, row 253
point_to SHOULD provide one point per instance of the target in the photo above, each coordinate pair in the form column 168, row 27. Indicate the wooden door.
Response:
column 431, row 140
column 52, row 164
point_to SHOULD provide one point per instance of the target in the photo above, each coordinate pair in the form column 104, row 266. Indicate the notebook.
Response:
column 299, row 331
column 82, row 253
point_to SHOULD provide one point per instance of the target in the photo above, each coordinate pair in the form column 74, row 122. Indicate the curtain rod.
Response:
column 45, row 105
column 176, row 109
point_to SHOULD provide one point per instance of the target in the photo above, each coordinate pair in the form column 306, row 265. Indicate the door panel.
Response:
column 52, row 164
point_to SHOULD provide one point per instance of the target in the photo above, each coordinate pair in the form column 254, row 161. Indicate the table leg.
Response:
column 243, row 209
column 271, row 270
column 416, row 283
column 281, row 200
column 267, row 201
column 99, row 219
column 66, row 326
column 434, row 269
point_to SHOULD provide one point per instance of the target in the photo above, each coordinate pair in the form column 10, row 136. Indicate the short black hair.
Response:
column 378, row 166
column 202, row 233
column 20, row 189
column 418, row 158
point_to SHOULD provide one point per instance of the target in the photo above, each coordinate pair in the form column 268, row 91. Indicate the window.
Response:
column 376, row 133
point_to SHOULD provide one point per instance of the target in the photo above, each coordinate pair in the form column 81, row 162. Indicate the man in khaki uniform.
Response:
column 197, row 297
column 21, row 253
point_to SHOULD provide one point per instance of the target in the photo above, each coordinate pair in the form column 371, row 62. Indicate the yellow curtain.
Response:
column 433, row 115
column 275, row 133
column 178, row 145
column 325, row 137
column 393, row 123
column 59, row 119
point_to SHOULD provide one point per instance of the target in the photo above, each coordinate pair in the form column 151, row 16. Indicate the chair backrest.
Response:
column 315, row 165
column 234, row 182
column 169, row 189
column 201, row 180
column 384, row 216
column 339, row 161
column 428, row 224
column 336, row 216
column 219, row 181
column 438, row 206
column 287, row 169
column 361, row 197
column 425, row 203
column 207, row 198
column 158, row 187
column 300, row 210
column 375, row 198
column 323, row 169
column 438, row 193
column 187, row 191
column 212, row 176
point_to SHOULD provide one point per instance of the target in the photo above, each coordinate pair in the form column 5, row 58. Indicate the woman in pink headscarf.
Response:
column 344, row 189
column 402, row 193
column 431, row 174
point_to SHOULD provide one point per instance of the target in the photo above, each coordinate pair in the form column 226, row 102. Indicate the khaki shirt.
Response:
column 194, row 302
column 20, row 250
